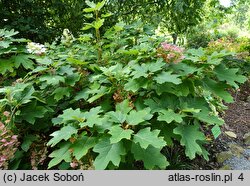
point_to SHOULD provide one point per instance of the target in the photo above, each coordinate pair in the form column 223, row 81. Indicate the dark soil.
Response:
column 237, row 117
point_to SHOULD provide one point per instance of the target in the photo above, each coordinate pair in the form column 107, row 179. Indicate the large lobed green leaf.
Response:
column 92, row 117
column 217, row 89
column 137, row 117
column 190, row 135
column 117, row 134
column 151, row 156
column 145, row 137
column 164, row 77
column 63, row 153
column 229, row 75
column 82, row 145
column 169, row 116
column 108, row 152
column 69, row 115
column 6, row 65
column 33, row 111
column 63, row 134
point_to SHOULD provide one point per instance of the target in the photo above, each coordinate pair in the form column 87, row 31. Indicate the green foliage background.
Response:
column 42, row 21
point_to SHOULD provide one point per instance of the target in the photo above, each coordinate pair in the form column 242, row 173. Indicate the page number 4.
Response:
column 241, row 177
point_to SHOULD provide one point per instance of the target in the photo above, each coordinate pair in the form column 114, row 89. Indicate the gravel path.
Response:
column 239, row 163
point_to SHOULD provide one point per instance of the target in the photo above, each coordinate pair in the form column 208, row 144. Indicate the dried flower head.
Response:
column 8, row 145
column 39, row 153
column 74, row 164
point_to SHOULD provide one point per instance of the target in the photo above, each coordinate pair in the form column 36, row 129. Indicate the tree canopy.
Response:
column 44, row 20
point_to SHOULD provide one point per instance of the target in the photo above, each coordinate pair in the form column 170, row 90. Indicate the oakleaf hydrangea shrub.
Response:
column 144, row 98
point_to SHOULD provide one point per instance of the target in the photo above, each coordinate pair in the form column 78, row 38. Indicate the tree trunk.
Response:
column 174, row 36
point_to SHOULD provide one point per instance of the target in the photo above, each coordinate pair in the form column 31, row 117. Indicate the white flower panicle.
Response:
column 67, row 38
column 36, row 48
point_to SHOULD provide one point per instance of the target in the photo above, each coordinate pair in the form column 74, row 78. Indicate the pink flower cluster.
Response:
column 8, row 145
column 170, row 53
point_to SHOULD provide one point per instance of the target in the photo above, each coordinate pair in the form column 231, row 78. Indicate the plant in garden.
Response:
column 198, row 38
column 142, row 124
column 154, row 102
column 96, row 115
column 223, row 44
